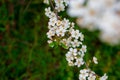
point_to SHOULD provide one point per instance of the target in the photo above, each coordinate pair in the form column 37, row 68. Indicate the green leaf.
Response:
column 52, row 44
column 64, row 46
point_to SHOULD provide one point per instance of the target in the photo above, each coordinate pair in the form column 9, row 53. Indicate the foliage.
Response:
column 25, row 54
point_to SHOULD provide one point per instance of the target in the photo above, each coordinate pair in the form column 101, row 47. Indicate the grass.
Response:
column 25, row 54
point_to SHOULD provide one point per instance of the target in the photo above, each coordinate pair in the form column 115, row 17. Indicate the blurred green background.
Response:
column 25, row 54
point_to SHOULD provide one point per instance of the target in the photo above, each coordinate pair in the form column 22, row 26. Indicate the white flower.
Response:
column 72, row 25
column 52, row 22
column 83, row 74
column 83, row 49
column 73, row 51
column 81, row 54
column 52, row 15
column 49, row 41
column 104, row 77
column 79, row 62
column 47, row 11
column 60, row 31
column 59, row 5
column 46, row 1
column 66, row 23
column 92, row 77
column 75, row 34
column 66, row 2
column 50, row 34
column 87, row 74
column 69, row 56
column 94, row 15
column 74, row 8
column 95, row 60
column 59, row 23
column 67, row 42
column 110, row 30
column 70, row 63
column 82, row 37
column 76, row 43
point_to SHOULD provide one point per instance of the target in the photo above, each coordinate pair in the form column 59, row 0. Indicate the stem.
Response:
column 86, row 65
column 56, row 13
column 52, row 4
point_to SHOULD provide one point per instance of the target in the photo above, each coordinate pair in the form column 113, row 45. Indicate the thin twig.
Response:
column 86, row 65
column 56, row 13
column 52, row 4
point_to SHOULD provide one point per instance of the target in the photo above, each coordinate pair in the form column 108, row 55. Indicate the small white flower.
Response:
column 59, row 8
column 76, row 43
column 47, row 12
column 95, row 60
column 92, row 77
column 83, row 74
column 104, row 77
column 52, row 22
column 72, row 24
column 66, row 42
column 59, row 5
column 52, row 15
column 79, row 62
column 46, row 1
column 66, row 23
column 69, row 57
column 74, row 7
column 60, row 31
column 49, row 41
column 73, row 51
column 83, row 49
column 59, row 23
column 50, row 34
column 70, row 63
column 75, row 34
column 66, row 2
column 81, row 54
column 82, row 37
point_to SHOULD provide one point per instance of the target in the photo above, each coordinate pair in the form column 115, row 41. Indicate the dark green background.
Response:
column 25, row 54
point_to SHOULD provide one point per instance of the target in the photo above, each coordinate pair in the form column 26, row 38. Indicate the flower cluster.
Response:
column 98, row 14
column 59, row 4
column 75, row 57
column 62, row 32
column 87, row 74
